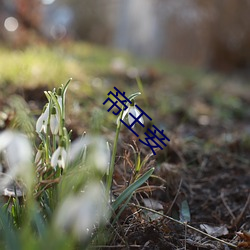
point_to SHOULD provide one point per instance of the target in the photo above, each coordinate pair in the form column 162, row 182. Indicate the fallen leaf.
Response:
column 152, row 204
column 245, row 236
column 215, row 231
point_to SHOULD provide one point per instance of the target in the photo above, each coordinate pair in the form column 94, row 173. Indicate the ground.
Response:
column 202, row 176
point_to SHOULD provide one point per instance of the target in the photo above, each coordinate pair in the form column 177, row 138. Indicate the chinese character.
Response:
column 153, row 139
column 123, row 102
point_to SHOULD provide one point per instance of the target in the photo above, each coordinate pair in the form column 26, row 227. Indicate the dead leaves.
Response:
column 245, row 237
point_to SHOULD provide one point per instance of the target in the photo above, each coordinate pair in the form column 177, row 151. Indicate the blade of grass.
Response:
column 11, row 239
column 128, row 191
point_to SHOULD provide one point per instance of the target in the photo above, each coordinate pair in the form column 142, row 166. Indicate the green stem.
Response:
column 112, row 164
column 65, row 87
column 54, row 142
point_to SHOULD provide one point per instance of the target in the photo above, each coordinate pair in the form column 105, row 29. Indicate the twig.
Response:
column 175, row 198
column 237, row 220
column 117, row 246
column 184, row 224
column 185, row 242
column 227, row 207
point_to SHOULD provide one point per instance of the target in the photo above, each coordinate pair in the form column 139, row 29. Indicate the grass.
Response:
column 42, row 64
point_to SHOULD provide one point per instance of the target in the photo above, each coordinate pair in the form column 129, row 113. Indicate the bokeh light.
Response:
column 11, row 24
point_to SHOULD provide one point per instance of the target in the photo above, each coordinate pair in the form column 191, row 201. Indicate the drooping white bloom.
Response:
column 131, row 110
column 54, row 121
column 79, row 214
column 59, row 157
column 17, row 152
column 98, row 152
column 42, row 122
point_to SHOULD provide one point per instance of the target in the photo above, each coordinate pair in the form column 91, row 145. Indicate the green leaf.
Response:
column 122, row 209
column 133, row 96
column 10, row 236
column 185, row 212
column 128, row 191
column 39, row 222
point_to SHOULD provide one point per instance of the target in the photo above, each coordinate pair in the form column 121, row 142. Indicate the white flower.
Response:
column 42, row 122
column 54, row 121
column 39, row 154
column 98, row 152
column 17, row 152
column 59, row 158
column 131, row 110
column 79, row 214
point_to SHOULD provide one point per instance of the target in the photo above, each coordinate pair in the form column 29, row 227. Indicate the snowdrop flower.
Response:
column 42, row 122
column 98, row 152
column 59, row 97
column 79, row 214
column 54, row 121
column 17, row 152
column 59, row 157
column 39, row 154
column 131, row 110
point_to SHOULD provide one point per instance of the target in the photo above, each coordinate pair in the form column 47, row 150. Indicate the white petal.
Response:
column 79, row 214
column 5, row 139
column 39, row 123
column 46, row 113
column 54, row 124
column 137, row 114
column 55, row 156
column 123, row 115
column 42, row 121
column 63, row 159
column 101, row 154
column 77, row 148
column 18, row 155
column 44, row 127
column 130, row 118
column 19, row 151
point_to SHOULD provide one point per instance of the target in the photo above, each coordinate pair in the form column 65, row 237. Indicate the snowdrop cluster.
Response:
column 81, row 211
column 50, row 117
column 56, row 150
column 50, row 128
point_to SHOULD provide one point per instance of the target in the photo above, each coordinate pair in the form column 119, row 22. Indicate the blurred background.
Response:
column 193, row 60
column 211, row 34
